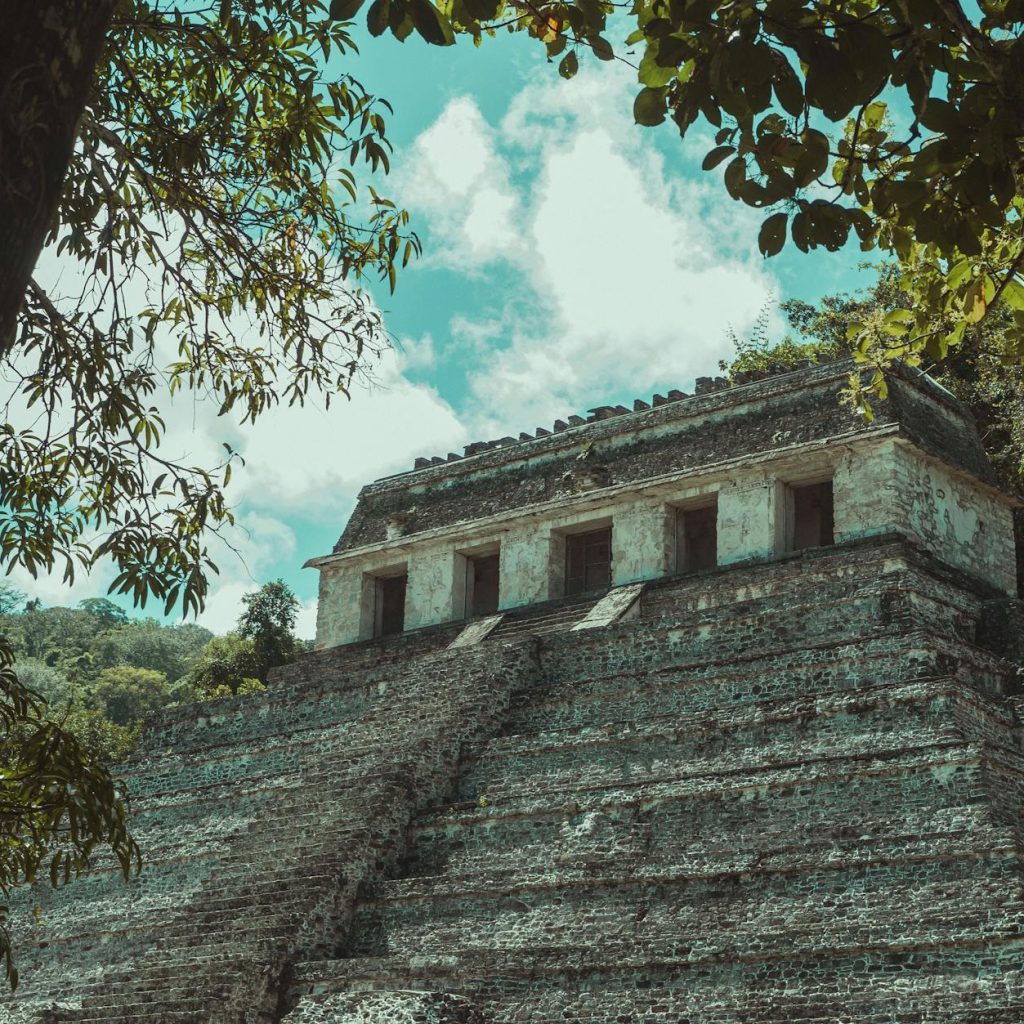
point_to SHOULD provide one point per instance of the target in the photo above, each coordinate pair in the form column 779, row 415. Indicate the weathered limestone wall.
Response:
column 882, row 486
column 948, row 514
column 789, row 792
column 643, row 542
column 339, row 611
column 864, row 485
column 747, row 517
column 527, row 555
column 431, row 595
column 680, row 438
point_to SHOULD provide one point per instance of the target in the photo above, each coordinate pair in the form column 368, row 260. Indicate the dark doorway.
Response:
column 696, row 538
column 588, row 561
column 482, row 580
column 389, row 605
column 810, row 515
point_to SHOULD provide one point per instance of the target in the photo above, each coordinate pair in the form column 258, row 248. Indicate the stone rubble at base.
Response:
column 786, row 788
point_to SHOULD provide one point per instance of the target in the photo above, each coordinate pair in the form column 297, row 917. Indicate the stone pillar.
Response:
column 749, row 518
column 642, row 542
column 529, row 570
column 430, row 593
column 955, row 519
column 863, row 493
column 339, row 610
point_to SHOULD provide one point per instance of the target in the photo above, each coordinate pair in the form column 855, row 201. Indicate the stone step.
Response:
column 238, row 768
column 954, row 706
column 592, row 844
column 616, row 968
column 752, row 628
column 258, row 717
column 871, row 845
column 546, row 626
column 399, row 1007
column 708, row 810
column 579, row 779
column 225, row 927
column 918, row 993
column 130, row 1015
column 348, row 767
column 703, row 686
column 718, row 917
column 537, row 621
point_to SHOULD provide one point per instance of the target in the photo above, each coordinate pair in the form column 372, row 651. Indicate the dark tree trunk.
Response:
column 48, row 55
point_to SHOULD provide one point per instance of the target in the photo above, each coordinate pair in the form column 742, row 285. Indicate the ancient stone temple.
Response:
column 703, row 711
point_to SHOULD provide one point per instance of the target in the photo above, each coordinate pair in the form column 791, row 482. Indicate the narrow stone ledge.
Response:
column 475, row 632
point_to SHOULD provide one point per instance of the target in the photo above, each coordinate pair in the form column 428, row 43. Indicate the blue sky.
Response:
column 571, row 259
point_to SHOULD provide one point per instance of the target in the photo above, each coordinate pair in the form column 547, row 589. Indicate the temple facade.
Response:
column 681, row 485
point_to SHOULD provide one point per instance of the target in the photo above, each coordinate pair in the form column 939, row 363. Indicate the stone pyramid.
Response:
column 784, row 788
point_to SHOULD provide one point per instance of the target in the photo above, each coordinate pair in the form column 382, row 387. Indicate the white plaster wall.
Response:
column 747, row 507
column 526, row 566
column 954, row 519
column 642, row 542
column 430, row 596
column 338, row 610
column 887, row 486
column 864, row 492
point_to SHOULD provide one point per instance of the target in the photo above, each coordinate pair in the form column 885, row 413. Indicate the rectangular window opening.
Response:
column 389, row 605
column 809, row 516
column 482, row 582
column 588, row 561
column 697, row 538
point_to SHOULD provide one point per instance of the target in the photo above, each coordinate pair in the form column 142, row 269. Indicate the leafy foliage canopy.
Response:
column 894, row 123
column 219, row 233
column 58, row 802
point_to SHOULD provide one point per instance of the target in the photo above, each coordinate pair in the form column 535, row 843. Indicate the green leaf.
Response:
column 897, row 322
column 940, row 116
column 402, row 28
column 975, row 301
column 653, row 72
column 483, row 10
column 788, row 89
column 649, row 106
column 800, row 230
column 593, row 14
column 958, row 273
column 874, row 114
column 377, row 17
column 568, row 65
column 601, row 47
column 345, row 10
column 900, row 316
column 735, row 176
column 431, row 24
column 1013, row 294
column 716, row 156
column 831, row 83
column 772, row 236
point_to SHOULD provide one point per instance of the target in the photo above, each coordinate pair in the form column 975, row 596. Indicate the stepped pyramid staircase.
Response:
column 786, row 792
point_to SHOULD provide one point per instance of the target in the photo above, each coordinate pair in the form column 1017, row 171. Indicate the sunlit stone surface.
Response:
column 787, row 788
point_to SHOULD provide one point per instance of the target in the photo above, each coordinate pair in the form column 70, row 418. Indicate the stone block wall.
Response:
column 786, row 791
column 259, row 819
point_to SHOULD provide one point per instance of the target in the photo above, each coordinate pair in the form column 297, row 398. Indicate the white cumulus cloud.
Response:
column 625, row 270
